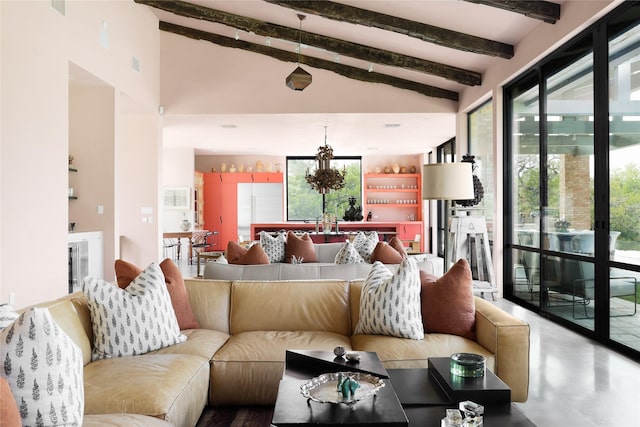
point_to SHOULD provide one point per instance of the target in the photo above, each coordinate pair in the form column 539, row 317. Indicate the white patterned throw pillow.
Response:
column 365, row 244
column 348, row 255
column 131, row 321
column 390, row 303
column 274, row 247
column 7, row 315
column 43, row 367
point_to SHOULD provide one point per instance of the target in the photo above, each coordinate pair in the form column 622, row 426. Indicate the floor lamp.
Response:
column 454, row 181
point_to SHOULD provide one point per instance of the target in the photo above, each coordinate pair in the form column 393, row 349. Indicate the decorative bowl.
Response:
column 324, row 388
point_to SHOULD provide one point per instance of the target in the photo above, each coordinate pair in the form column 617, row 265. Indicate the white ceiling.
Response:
column 395, row 131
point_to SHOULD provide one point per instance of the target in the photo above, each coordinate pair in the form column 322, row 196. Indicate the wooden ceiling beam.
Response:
column 425, row 32
column 341, row 47
column 282, row 55
column 546, row 11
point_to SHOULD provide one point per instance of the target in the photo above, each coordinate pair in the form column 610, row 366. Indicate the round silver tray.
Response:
column 324, row 388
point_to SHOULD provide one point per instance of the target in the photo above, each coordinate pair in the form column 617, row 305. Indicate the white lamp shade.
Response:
column 447, row 181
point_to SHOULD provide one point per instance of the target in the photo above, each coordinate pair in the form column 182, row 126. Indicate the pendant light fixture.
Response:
column 325, row 178
column 299, row 79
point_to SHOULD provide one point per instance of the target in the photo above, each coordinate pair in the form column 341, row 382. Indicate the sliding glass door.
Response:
column 624, row 185
column 573, row 185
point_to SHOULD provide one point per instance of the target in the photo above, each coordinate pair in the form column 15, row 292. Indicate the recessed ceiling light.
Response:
column 229, row 126
column 392, row 125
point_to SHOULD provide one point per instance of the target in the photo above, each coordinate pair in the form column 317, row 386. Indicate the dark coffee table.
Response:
column 424, row 401
column 410, row 396
column 292, row 409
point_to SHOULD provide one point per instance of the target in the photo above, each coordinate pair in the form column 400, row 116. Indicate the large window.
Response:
column 572, row 199
column 480, row 123
column 306, row 204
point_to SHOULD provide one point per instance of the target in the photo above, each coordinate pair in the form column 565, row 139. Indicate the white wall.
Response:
column 139, row 218
column 37, row 45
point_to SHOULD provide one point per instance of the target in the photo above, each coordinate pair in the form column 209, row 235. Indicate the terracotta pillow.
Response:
column 448, row 304
column 179, row 297
column 127, row 272
column 9, row 414
column 300, row 247
column 386, row 254
column 398, row 246
column 237, row 254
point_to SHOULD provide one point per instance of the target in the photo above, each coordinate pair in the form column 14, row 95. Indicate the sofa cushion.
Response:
column 260, row 354
column 238, row 254
column 386, row 254
column 348, row 255
column 300, row 247
column 9, row 414
column 401, row 353
column 274, row 247
column 365, row 244
column 390, row 303
column 172, row 387
column 210, row 301
column 290, row 306
column 127, row 272
column 448, row 304
column 134, row 320
column 44, row 369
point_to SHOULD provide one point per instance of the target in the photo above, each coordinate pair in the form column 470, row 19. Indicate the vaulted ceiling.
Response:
column 432, row 48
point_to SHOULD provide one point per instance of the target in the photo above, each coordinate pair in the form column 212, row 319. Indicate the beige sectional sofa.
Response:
column 237, row 355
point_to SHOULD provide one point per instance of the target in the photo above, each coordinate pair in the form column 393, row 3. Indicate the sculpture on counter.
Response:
column 353, row 213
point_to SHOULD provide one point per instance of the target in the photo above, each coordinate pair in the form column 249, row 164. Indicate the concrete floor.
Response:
column 574, row 381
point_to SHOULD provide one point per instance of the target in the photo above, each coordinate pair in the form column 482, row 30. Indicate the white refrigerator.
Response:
column 258, row 203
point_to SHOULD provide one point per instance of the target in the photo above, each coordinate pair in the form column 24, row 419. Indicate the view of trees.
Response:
column 624, row 196
column 303, row 203
column 624, row 207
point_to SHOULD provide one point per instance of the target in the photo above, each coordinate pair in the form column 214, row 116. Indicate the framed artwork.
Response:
column 176, row 197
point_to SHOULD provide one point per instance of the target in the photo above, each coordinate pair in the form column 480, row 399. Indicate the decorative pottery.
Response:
column 223, row 167
column 403, row 169
column 387, row 169
column 259, row 166
column 185, row 225
column 395, row 168
column 412, row 169
column 278, row 167
column 232, row 168
column 378, row 170
column 240, row 167
column 268, row 167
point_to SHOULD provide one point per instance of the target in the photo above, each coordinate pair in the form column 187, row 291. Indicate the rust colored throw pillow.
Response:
column 9, row 414
column 448, row 304
column 397, row 244
column 178, row 293
column 237, row 254
column 386, row 254
column 300, row 247
column 127, row 272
